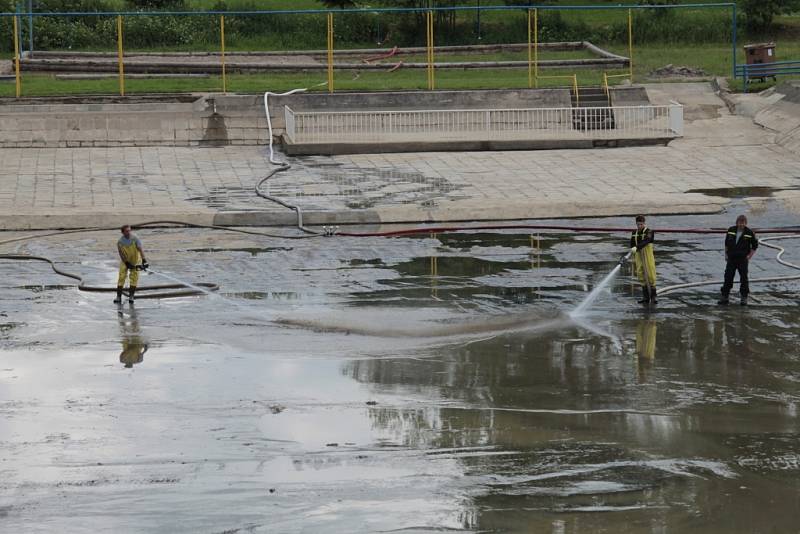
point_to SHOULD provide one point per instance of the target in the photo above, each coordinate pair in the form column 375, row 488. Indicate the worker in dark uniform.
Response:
column 644, row 261
column 740, row 245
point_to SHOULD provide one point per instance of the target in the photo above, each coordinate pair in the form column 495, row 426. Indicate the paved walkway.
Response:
column 42, row 188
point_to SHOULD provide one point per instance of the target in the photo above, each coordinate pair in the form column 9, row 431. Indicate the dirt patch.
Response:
column 673, row 71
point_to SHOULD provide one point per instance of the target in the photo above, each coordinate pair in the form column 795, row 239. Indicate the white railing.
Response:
column 619, row 122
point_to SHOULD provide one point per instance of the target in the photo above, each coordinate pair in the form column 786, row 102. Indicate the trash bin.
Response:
column 760, row 54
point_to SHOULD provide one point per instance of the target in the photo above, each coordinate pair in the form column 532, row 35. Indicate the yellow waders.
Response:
column 131, row 255
column 644, row 263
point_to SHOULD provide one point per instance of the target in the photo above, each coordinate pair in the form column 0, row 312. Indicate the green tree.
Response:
column 341, row 4
column 759, row 14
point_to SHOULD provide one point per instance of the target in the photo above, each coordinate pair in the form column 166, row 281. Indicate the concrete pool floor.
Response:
column 338, row 385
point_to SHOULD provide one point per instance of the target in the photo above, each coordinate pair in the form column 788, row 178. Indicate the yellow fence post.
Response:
column 222, row 54
column 430, row 42
column 16, row 56
column 575, row 85
column 120, row 56
column 330, row 52
column 630, row 42
column 536, row 48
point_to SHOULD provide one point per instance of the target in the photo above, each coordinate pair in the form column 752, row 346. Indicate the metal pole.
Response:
column 30, row 26
column 16, row 55
column 733, row 55
column 222, row 55
column 120, row 60
column 630, row 42
column 431, row 71
column 479, row 20
column 536, row 48
column 575, row 85
column 330, row 52
column 530, row 51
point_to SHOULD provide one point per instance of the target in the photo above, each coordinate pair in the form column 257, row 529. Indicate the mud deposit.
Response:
column 405, row 385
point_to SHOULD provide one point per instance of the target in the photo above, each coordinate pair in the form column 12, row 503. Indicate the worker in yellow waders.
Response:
column 132, row 260
column 644, row 262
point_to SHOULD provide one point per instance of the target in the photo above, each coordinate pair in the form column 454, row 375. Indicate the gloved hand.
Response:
column 145, row 266
column 623, row 259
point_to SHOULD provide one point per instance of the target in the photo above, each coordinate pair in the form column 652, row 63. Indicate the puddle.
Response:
column 253, row 251
column 742, row 192
column 411, row 384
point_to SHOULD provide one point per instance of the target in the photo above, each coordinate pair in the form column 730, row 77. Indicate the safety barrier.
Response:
column 766, row 70
column 622, row 122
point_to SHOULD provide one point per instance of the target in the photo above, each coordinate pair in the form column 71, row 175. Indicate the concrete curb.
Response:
column 467, row 145
column 474, row 211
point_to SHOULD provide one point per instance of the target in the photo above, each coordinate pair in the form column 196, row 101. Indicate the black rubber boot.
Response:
column 131, row 292
column 645, row 295
column 118, row 300
column 653, row 295
column 743, row 300
column 723, row 300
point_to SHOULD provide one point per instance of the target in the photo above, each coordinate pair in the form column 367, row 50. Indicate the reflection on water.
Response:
column 646, row 331
column 134, row 344
column 371, row 406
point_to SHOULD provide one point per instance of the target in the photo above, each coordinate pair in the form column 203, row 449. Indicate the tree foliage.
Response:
column 330, row 4
column 759, row 14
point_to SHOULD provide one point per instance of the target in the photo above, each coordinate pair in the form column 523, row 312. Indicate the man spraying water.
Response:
column 644, row 260
column 132, row 261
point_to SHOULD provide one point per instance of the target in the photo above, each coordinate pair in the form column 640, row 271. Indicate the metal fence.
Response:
column 623, row 122
column 118, row 31
column 763, row 71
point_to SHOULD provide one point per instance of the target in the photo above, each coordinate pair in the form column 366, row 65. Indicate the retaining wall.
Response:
column 217, row 120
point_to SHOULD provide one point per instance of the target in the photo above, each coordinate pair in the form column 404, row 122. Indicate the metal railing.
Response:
column 27, row 25
column 766, row 70
column 622, row 122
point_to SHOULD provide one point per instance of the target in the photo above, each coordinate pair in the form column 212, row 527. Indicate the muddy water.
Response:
column 415, row 384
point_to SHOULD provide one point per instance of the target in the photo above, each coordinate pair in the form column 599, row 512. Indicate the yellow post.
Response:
column 630, row 42
column 530, row 50
column 120, row 56
column 536, row 48
column 16, row 56
column 222, row 54
column 330, row 52
column 431, row 71
column 575, row 85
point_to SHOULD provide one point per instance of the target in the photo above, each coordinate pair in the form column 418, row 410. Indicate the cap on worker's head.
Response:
column 741, row 218
column 640, row 218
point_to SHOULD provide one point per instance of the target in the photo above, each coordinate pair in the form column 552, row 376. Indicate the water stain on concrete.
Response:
column 216, row 132
column 742, row 192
